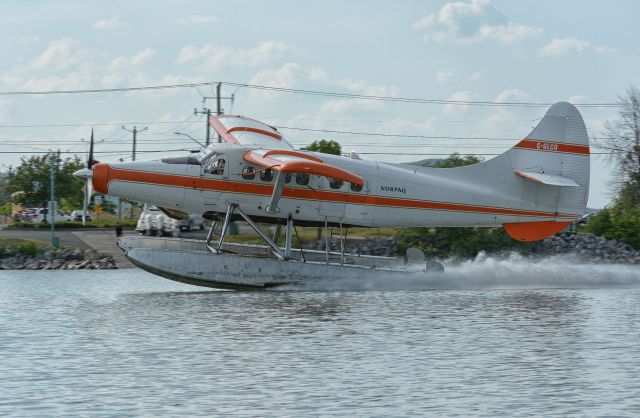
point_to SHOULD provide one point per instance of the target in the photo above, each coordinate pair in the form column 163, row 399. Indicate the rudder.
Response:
column 555, row 156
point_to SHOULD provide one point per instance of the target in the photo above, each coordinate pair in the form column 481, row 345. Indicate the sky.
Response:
column 477, row 50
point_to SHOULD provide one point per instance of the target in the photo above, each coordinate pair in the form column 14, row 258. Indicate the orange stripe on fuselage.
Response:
column 315, row 195
column 547, row 146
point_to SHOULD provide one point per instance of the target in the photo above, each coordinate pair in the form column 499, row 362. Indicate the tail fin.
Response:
column 553, row 162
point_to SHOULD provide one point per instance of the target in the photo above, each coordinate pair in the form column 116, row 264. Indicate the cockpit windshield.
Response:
column 206, row 154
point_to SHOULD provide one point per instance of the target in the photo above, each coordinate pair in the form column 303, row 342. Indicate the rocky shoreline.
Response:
column 587, row 248
column 64, row 259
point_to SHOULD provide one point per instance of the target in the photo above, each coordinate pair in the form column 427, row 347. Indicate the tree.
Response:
column 621, row 220
column 33, row 177
column 623, row 140
column 456, row 160
column 325, row 147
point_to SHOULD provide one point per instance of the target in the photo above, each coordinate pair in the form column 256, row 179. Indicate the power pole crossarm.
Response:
column 135, row 132
column 219, row 110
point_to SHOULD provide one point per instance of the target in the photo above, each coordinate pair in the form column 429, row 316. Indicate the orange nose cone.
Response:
column 101, row 178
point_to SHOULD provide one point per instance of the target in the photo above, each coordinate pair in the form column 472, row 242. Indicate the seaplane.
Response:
column 533, row 190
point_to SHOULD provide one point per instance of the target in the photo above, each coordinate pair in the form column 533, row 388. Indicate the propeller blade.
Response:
column 90, row 160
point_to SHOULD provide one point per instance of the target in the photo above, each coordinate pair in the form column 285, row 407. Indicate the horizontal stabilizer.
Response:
column 548, row 179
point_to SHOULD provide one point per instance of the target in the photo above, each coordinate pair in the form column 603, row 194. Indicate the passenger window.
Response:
column 266, row 175
column 302, row 179
column 248, row 173
column 287, row 178
column 355, row 187
column 335, row 183
column 215, row 168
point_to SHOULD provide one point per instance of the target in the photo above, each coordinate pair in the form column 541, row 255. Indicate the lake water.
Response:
column 498, row 339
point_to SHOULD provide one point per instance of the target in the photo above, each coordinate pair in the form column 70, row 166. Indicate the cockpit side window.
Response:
column 216, row 167
column 206, row 155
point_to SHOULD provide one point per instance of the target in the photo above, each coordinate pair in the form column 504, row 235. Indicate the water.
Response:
column 126, row 343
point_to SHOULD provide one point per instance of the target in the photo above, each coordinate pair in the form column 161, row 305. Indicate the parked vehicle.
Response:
column 192, row 221
column 76, row 215
column 42, row 215
column 153, row 222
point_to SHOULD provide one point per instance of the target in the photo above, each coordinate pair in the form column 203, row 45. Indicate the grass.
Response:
column 307, row 234
column 73, row 224
column 10, row 247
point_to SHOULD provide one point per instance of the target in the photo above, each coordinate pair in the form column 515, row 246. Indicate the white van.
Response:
column 153, row 221
column 42, row 215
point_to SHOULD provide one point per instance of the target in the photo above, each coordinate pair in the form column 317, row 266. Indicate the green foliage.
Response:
column 461, row 242
column 72, row 224
column 5, row 208
column 618, row 222
column 326, row 147
column 457, row 160
column 33, row 177
column 621, row 221
column 108, row 206
column 27, row 248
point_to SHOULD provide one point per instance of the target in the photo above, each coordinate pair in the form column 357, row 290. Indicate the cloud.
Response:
column 290, row 75
column 475, row 76
column 512, row 96
column 132, row 61
column 444, row 76
column 4, row 107
column 81, row 79
column 198, row 19
column 217, row 57
column 59, row 55
column 563, row 46
column 284, row 77
column 476, row 21
column 505, row 113
column 577, row 99
column 464, row 96
column 112, row 23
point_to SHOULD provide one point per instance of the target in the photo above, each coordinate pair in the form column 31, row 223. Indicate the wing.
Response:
column 290, row 161
column 249, row 132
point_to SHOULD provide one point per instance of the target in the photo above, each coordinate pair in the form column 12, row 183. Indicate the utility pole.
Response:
column 52, row 206
column 208, row 141
column 207, row 111
column 219, row 110
column 134, row 131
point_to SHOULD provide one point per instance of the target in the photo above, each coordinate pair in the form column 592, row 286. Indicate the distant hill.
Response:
column 429, row 162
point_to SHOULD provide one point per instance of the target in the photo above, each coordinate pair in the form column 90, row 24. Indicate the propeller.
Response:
column 86, row 175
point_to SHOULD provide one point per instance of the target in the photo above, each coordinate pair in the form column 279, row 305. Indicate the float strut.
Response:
column 276, row 234
column 287, row 248
column 326, row 239
column 274, row 247
column 225, row 225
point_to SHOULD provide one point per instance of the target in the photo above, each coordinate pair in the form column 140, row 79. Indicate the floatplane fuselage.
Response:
column 534, row 189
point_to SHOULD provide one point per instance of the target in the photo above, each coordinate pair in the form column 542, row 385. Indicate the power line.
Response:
column 119, row 152
column 102, row 90
column 409, row 99
column 75, row 125
column 416, row 100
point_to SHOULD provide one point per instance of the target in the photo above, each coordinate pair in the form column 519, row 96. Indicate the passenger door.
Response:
column 216, row 192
